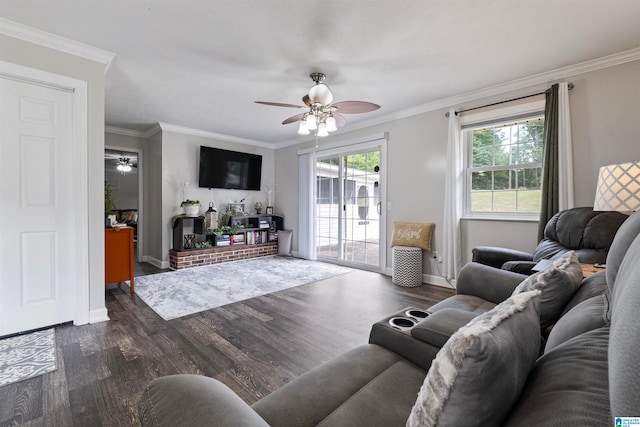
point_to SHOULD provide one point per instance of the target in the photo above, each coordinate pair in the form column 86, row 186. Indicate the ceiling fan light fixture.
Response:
column 123, row 165
column 311, row 122
column 321, row 115
column 321, row 94
column 331, row 124
column 322, row 129
column 303, row 129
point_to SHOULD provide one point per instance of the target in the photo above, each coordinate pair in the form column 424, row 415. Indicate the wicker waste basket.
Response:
column 407, row 266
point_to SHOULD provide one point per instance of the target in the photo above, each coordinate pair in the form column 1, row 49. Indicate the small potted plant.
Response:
column 191, row 207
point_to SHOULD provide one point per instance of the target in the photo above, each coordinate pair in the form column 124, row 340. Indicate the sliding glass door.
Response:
column 348, row 208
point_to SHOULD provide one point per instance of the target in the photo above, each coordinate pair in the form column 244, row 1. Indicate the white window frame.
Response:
column 494, row 117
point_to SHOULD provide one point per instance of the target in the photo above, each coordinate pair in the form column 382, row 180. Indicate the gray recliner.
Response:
column 587, row 232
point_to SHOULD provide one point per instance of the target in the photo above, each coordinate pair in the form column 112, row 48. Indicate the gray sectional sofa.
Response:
column 586, row 373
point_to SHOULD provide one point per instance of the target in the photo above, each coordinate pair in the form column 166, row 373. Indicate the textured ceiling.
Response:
column 201, row 64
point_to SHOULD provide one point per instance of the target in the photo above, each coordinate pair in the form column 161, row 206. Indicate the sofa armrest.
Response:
column 495, row 257
column 439, row 326
column 492, row 284
column 400, row 341
column 194, row 400
column 522, row 267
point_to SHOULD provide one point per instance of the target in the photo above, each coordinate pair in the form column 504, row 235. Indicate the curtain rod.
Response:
column 570, row 86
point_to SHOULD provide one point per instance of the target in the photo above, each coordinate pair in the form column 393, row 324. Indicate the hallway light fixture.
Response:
column 124, row 165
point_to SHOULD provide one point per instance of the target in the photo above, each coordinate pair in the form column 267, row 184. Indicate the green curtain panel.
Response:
column 550, row 166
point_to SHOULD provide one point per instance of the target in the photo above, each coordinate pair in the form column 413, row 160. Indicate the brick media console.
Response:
column 198, row 257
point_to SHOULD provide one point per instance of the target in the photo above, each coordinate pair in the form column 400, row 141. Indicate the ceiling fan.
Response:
column 322, row 115
column 123, row 164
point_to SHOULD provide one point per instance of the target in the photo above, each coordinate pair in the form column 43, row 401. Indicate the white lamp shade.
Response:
column 303, row 129
column 331, row 124
column 618, row 188
column 322, row 130
column 311, row 122
column 320, row 93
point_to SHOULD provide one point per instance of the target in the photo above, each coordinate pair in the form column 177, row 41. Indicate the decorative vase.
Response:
column 191, row 210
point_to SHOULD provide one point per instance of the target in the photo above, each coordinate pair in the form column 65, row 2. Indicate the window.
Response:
column 504, row 168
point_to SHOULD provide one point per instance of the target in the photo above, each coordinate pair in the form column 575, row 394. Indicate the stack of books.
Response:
column 223, row 240
column 255, row 237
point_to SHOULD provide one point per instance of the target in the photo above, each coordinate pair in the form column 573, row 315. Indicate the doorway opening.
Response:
column 126, row 189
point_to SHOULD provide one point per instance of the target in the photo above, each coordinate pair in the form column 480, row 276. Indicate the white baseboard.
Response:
column 428, row 278
column 155, row 262
column 98, row 315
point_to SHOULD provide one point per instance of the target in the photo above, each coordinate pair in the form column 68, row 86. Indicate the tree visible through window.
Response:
column 505, row 168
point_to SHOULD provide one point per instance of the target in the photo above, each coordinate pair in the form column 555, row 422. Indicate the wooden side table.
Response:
column 118, row 256
column 589, row 269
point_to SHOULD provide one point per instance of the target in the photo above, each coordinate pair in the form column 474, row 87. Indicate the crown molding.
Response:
column 126, row 132
column 219, row 136
column 152, row 131
column 56, row 42
column 531, row 83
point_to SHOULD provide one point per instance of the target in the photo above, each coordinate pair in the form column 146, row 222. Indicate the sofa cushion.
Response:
column 437, row 328
column 586, row 316
column 567, row 386
column 594, row 285
column 470, row 303
column 558, row 284
column 624, row 362
column 368, row 385
column 626, row 234
column 468, row 374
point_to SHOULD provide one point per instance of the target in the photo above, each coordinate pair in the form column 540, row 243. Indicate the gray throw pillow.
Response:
column 479, row 373
column 558, row 283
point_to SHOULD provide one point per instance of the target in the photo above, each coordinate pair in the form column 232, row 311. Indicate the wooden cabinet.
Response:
column 118, row 254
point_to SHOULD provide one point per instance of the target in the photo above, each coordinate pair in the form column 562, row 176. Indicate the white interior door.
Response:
column 37, row 244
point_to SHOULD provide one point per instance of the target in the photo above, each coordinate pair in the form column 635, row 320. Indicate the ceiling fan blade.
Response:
column 306, row 100
column 292, row 119
column 355, row 107
column 279, row 104
column 340, row 120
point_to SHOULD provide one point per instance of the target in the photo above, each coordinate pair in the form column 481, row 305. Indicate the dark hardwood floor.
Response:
column 254, row 347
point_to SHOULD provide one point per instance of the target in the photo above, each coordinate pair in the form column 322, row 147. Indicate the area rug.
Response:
column 27, row 356
column 179, row 293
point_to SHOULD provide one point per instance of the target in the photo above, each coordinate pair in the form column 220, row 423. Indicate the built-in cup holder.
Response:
column 417, row 314
column 402, row 323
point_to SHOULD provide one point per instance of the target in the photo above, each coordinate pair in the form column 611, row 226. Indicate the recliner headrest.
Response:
column 584, row 228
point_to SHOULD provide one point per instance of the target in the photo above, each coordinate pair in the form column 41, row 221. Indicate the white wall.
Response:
column 153, row 200
column 605, row 113
column 50, row 60
column 179, row 162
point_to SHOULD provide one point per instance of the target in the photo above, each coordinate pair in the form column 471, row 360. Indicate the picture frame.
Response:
column 236, row 208
column 269, row 210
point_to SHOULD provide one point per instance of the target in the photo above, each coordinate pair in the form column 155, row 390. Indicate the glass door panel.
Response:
column 347, row 208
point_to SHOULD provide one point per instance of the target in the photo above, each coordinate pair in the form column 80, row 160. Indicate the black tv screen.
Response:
column 229, row 169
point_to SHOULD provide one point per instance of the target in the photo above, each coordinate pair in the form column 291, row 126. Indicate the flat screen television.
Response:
column 229, row 169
